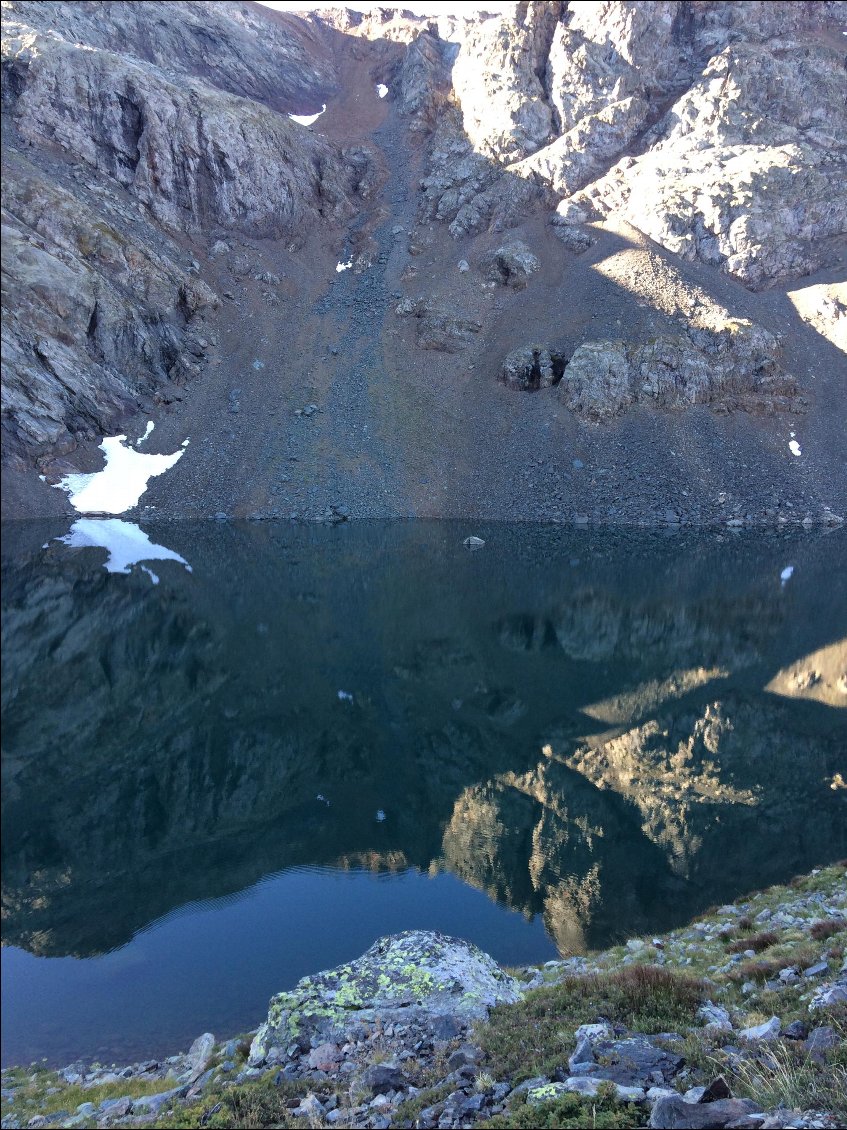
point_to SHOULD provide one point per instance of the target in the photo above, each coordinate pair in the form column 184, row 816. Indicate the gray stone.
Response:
column 674, row 1113
column 763, row 1032
column 473, row 543
column 821, row 1039
column 115, row 1108
column 581, row 1085
column 325, row 1057
column 463, row 1057
column 310, row 1107
column 153, row 1104
column 510, row 265
column 383, row 1077
column 828, row 995
column 715, row 1017
column 816, row 970
column 634, row 1061
column 199, row 1054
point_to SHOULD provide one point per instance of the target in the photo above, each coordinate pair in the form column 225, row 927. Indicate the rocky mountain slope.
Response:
column 651, row 195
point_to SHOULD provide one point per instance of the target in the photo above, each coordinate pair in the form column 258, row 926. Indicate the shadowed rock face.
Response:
column 121, row 132
column 604, row 755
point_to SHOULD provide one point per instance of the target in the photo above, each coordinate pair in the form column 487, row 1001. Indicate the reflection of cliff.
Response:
column 167, row 744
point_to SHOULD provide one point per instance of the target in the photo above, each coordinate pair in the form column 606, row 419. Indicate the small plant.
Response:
column 484, row 1081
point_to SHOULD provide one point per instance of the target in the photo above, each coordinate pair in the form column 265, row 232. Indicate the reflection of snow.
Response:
column 785, row 575
column 127, row 544
column 345, row 696
column 121, row 482
column 381, row 89
column 380, row 816
column 794, row 447
column 344, row 266
column 307, row 119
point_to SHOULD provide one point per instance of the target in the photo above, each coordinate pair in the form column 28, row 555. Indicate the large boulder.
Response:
column 510, row 265
column 532, row 367
column 734, row 365
column 416, row 975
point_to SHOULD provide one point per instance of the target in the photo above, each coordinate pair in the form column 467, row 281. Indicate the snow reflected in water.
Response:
column 126, row 543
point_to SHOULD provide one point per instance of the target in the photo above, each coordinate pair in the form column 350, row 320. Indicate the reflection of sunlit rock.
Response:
column 621, row 708
column 686, row 773
column 821, row 676
column 569, row 908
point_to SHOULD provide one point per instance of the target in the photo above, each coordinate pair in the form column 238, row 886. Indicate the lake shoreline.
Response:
column 330, row 1051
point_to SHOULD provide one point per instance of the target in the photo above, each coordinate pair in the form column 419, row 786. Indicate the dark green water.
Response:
column 562, row 740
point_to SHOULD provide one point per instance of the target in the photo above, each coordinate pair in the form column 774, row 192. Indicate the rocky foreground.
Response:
column 738, row 1020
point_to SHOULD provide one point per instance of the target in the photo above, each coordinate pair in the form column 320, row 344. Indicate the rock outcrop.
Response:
column 401, row 979
column 119, row 134
column 532, row 367
column 735, row 368
column 716, row 129
column 101, row 316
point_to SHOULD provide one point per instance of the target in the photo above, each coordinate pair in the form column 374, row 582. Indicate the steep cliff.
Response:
column 674, row 171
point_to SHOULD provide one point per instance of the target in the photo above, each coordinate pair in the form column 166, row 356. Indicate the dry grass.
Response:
column 823, row 930
column 755, row 942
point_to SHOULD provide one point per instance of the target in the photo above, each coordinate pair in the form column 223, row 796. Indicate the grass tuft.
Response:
column 534, row 1036
column 755, row 942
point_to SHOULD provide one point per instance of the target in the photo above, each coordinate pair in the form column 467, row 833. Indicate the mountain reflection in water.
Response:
column 604, row 731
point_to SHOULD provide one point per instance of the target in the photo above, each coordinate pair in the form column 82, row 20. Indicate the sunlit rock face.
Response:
column 716, row 129
column 741, row 173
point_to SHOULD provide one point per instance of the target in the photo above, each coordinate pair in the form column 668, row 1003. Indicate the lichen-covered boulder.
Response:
column 411, row 976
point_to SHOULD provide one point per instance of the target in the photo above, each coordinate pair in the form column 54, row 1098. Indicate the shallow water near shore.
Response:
column 250, row 757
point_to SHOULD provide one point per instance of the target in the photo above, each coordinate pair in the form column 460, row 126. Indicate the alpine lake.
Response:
column 237, row 753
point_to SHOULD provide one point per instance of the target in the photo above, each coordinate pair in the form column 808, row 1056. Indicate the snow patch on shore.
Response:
column 122, row 481
column 307, row 119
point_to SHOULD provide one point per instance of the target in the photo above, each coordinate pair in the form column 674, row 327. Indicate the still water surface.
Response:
column 248, row 758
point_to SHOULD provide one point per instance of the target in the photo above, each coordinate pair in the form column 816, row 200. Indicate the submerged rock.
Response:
column 416, row 975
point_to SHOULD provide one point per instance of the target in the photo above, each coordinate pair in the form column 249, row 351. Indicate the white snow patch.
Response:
column 786, row 573
column 345, row 696
column 122, row 481
column 307, row 119
column 381, row 89
column 794, row 447
column 147, row 431
column 127, row 544
column 344, row 266
column 149, row 573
